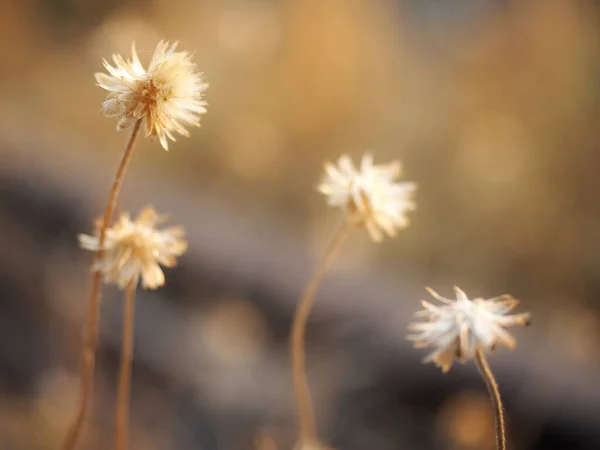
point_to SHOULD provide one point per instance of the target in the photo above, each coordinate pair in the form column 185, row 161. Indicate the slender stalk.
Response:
column 494, row 392
column 91, row 327
column 122, row 408
column 306, row 416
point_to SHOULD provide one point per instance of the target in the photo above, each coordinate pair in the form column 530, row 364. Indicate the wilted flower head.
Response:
column 167, row 96
column 134, row 249
column 460, row 327
column 370, row 196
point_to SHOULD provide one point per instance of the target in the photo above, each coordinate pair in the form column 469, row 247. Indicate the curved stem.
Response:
column 122, row 408
column 306, row 417
column 91, row 327
column 494, row 392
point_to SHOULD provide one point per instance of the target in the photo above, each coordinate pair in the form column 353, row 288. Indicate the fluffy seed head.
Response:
column 369, row 195
column 134, row 249
column 458, row 328
column 167, row 96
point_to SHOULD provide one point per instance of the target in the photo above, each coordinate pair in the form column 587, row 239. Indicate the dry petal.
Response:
column 369, row 195
column 136, row 249
column 458, row 328
column 167, row 96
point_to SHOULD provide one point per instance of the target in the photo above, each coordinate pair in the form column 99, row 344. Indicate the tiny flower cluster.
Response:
column 135, row 249
column 167, row 96
column 460, row 327
column 369, row 196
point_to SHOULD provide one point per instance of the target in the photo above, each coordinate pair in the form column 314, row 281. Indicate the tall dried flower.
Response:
column 136, row 249
column 460, row 327
column 370, row 196
column 168, row 95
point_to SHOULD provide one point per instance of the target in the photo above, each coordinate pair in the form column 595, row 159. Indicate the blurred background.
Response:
column 493, row 108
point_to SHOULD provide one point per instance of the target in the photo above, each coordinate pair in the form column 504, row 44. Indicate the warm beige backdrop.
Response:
column 492, row 107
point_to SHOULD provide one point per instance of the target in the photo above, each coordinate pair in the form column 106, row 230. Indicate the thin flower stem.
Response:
column 91, row 327
column 494, row 392
column 306, row 416
column 122, row 408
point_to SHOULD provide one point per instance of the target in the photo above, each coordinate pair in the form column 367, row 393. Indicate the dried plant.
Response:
column 168, row 95
column 133, row 250
column 463, row 330
column 136, row 249
column 163, row 98
column 368, row 197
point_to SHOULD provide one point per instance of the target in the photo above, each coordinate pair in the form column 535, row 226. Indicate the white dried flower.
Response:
column 134, row 249
column 168, row 96
column 460, row 327
column 370, row 196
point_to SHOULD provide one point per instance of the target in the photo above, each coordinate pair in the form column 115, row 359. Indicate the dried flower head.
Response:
column 134, row 249
column 460, row 327
column 167, row 96
column 370, row 196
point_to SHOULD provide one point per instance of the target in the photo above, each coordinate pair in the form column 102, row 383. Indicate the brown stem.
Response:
column 122, row 409
column 91, row 327
column 306, row 416
column 494, row 392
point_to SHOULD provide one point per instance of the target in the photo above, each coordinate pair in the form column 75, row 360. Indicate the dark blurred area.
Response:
column 493, row 108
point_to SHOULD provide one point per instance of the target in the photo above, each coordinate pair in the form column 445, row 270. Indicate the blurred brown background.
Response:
column 492, row 105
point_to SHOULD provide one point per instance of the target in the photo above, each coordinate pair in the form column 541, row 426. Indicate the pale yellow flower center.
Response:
column 138, row 245
column 356, row 214
column 151, row 94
